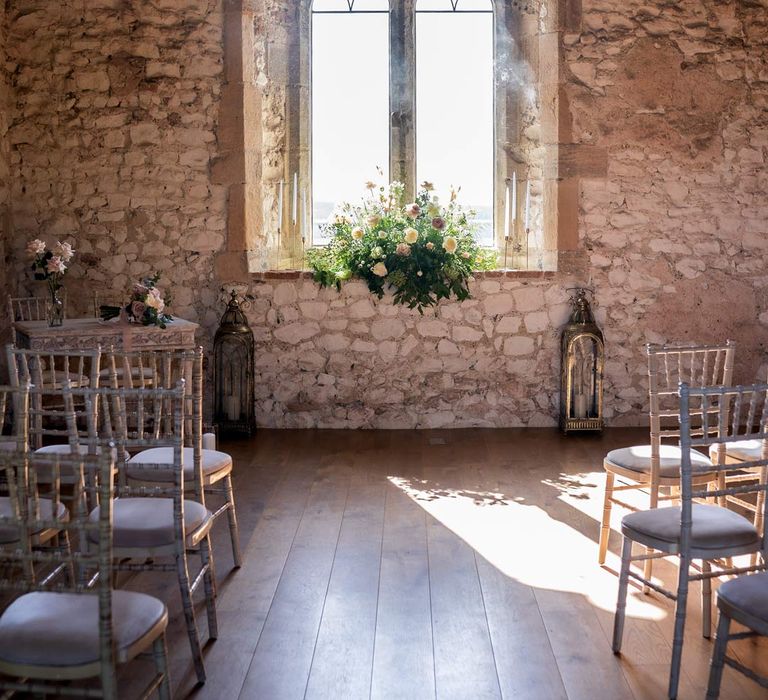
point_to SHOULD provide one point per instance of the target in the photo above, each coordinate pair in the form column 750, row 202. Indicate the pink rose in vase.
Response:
column 138, row 308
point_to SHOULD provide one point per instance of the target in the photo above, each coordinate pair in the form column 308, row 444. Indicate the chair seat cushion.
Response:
column 66, row 449
column 62, row 629
column 744, row 450
column 745, row 599
column 148, row 522
column 638, row 459
column 714, row 528
column 213, row 462
column 53, row 380
column 10, row 533
column 44, row 474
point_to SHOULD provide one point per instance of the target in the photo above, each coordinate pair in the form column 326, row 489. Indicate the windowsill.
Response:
column 480, row 274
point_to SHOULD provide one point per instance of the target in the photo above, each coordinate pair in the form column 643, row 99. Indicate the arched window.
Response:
column 417, row 105
column 455, row 103
column 350, row 101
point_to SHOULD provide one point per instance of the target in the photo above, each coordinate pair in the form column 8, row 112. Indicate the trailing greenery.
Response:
column 422, row 250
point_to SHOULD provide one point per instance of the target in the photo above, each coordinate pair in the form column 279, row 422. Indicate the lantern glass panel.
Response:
column 584, row 371
column 232, row 378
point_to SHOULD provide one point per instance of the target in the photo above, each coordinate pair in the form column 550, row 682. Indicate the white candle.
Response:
column 506, row 214
column 209, row 441
column 580, row 406
column 295, row 197
column 280, row 206
column 231, row 408
column 514, row 196
column 527, row 203
column 304, row 210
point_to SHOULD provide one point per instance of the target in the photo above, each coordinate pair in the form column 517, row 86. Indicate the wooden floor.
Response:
column 432, row 564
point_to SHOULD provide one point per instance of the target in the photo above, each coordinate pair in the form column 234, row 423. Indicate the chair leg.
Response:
column 189, row 616
column 759, row 506
column 718, row 657
column 234, row 531
column 621, row 603
column 648, row 563
column 605, row 528
column 206, row 558
column 160, row 656
column 677, row 641
column 706, row 601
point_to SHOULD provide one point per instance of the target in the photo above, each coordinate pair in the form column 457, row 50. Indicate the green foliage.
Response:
column 422, row 250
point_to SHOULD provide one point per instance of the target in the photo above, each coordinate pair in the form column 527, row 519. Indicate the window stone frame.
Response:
column 267, row 53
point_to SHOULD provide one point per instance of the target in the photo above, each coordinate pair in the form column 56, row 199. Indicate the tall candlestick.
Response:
column 295, row 197
column 280, row 206
column 527, row 203
column 506, row 214
column 514, row 196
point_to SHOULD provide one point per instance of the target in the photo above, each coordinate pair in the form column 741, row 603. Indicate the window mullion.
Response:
column 402, row 95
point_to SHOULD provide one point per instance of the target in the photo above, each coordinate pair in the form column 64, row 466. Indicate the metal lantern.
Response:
column 233, row 372
column 583, row 357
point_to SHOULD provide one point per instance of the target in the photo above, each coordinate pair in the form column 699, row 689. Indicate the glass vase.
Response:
column 55, row 308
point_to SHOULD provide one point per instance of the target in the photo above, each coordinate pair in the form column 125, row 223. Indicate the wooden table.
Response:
column 88, row 333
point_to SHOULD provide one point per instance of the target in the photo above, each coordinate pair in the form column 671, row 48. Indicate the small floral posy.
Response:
column 49, row 266
column 147, row 304
column 423, row 250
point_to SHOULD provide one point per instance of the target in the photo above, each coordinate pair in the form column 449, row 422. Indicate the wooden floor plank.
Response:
column 341, row 667
column 283, row 656
column 464, row 662
column 402, row 564
column 403, row 658
column 588, row 668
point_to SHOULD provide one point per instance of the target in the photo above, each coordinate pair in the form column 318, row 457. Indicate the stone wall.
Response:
column 118, row 106
column 118, row 132
column 5, row 222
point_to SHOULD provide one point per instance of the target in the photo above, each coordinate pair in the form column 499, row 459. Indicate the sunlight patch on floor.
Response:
column 525, row 543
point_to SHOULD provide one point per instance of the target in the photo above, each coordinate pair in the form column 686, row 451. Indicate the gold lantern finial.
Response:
column 583, row 358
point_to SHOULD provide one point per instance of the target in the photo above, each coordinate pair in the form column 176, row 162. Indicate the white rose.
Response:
column 374, row 220
column 36, row 247
column 357, row 233
column 64, row 251
column 154, row 300
column 450, row 244
column 411, row 235
column 379, row 269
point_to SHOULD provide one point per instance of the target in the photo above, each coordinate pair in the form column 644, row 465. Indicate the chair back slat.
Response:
column 47, row 372
column 126, row 419
column 28, row 515
column 668, row 367
column 26, row 308
column 742, row 417
column 166, row 369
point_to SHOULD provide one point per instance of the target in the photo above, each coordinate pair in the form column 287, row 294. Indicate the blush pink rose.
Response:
column 138, row 308
column 56, row 264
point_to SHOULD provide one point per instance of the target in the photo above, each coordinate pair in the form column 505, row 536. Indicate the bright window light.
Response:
column 454, row 106
column 350, row 108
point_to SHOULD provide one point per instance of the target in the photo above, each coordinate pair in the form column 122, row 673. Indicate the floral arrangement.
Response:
column 422, row 250
column 50, row 265
column 146, row 306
